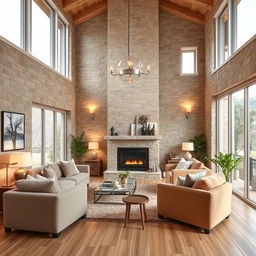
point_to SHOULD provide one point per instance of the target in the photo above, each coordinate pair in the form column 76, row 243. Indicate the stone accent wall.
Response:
column 238, row 70
column 176, row 90
column 125, row 101
column 91, row 80
column 24, row 81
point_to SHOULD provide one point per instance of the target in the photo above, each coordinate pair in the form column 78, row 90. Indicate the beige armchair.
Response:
column 172, row 174
column 198, row 207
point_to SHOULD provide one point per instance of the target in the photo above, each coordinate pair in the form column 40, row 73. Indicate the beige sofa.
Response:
column 48, row 212
column 198, row 207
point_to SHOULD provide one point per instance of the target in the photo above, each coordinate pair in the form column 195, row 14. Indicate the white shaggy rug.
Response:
column 116, row 212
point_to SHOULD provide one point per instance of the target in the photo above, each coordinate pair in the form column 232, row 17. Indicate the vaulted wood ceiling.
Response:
column 193, row 10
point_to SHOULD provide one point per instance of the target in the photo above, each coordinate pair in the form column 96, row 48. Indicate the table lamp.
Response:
column 187, row 146
column 14, row 159
column 93, row 145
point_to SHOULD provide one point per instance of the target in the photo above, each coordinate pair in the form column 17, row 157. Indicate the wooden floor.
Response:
column 235, row 236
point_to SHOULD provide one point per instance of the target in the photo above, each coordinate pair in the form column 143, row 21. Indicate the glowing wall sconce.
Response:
column 188, row 111
column 91, row 111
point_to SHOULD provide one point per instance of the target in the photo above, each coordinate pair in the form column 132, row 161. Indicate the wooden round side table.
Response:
column 135, row 199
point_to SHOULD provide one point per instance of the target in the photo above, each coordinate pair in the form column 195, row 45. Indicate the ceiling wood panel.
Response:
column 193, row 10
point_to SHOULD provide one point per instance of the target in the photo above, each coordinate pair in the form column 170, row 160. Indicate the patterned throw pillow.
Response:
column 48, row 172
column 69, row 168
column 183, row 164
column 180, row 181
column 191, row 178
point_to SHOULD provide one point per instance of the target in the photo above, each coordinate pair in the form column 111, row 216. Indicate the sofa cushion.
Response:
column 180, row 181
column 38, row 185
column 196, row 164
column 32, row 173
column 78, row 178
column 57, row 169
column 66, row 185
column 37, row 170
column 183, row 164
column 191, row 178
column 210, row 182
column 69, row 168
column 48, row 172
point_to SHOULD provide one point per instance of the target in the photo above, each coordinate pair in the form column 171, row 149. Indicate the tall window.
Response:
column 10, row 20
column 41, row 31
column 48, row 136
column 38, row 27
column 188, row 61
column 234, row 27
column 236, row 133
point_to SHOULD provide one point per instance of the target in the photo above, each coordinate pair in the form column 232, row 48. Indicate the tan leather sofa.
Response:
column 172, row 174
column 48, row 212
column 198, row 207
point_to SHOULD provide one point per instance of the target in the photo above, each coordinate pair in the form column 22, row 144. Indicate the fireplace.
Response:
column 133, row 159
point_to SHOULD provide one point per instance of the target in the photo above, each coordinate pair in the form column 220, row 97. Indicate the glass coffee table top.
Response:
column 107, row 189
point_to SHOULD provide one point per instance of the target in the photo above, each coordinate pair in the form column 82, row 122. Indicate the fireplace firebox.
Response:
column 133, row 159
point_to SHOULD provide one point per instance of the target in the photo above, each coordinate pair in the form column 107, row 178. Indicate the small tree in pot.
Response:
column 78, row 147
column 226, row 163
column 123, row 177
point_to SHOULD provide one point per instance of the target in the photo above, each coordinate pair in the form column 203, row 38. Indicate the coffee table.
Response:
column 107, row 189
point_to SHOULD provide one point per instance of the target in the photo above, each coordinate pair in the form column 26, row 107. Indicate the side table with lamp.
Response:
column 13, row 160
column 188, row 146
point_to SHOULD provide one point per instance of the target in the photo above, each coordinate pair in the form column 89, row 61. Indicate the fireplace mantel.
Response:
column 127, row 137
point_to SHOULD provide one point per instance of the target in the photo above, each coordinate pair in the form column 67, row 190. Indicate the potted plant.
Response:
column 226, row 163
column 78, row 147
column 200, row 147
column 123, row 177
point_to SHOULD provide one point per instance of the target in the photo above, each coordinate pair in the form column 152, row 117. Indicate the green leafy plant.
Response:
column 124, row 175
column 78, row 146
column 200, row 147
column 226, row 163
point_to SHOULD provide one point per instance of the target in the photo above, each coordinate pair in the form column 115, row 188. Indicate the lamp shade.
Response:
column 187, row 146
column 22, row 159
column 93, row 145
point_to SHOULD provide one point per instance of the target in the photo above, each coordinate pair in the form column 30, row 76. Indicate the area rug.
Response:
column 116, row 212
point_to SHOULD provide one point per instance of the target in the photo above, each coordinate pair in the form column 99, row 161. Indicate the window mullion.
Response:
column 246, row 144
column 232, row 27
column 54, row 38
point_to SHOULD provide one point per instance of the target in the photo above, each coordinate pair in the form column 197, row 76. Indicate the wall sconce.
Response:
column 92, row 112
column 188, row 111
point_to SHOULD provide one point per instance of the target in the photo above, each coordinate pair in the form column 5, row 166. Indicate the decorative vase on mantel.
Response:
column 144, row 129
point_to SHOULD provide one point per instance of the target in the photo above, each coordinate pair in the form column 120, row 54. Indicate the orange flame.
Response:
column 132, row 162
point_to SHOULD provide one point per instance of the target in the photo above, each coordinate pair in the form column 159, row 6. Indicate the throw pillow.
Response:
column 29, row 177
column 210, row 182
column 196, row 164
column 191, row 178
column 40, row 177
column 57, row 169
column 48, row 172
column 69, row 168
column 37, row 185
column 183, row 164
column 180, row 181
column 32, row 173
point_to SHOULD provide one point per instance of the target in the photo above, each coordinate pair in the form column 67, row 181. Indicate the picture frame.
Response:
column 12, row 131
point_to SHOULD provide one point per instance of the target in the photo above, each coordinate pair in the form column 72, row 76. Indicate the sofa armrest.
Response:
column 169, row 167
column 176, row 173
column 83, row 168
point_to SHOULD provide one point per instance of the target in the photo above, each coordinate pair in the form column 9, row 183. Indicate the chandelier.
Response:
column 130, row 68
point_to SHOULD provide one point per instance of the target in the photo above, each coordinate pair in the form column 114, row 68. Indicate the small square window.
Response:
column 189, row 61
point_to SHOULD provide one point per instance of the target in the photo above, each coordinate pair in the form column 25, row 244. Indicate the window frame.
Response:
column 55, row 111
column 195, row 51
column 26, row 35
column 232, row 32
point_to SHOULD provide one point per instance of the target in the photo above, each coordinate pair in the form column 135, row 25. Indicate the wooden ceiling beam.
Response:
column 90, row 12
column 69, row 5
column 207, row 4
column 182, row 12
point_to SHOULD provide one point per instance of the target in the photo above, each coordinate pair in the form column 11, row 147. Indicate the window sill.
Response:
column 234, row 54
column 34, row 58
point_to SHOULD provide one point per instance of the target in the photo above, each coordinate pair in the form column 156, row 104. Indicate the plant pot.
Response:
column 123, row 181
